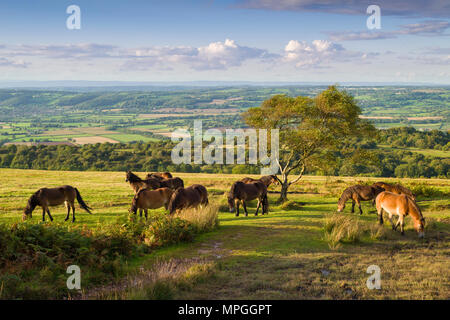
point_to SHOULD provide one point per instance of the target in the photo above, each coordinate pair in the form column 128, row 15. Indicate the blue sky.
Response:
column 235, row 40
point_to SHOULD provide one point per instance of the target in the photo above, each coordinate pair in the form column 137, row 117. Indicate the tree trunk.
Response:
column 284, row 189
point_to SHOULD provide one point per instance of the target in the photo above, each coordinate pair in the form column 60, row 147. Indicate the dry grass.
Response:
column 158, row 283
column 205, row 218
column 340, row 228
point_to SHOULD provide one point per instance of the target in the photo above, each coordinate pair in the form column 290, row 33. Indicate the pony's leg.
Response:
column 146, row 214
column 257, row 207
column 236, row 204
column 49, row 215
column 380, row 215
column 394, row 226
column 402, row 224
column 140, row 213
column 245, row 208
column 73, row 211
column 353, row 206
column 359, row 206
column 68, row 210
column 43, row 213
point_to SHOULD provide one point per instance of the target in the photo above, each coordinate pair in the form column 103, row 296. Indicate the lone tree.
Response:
column 309, row 128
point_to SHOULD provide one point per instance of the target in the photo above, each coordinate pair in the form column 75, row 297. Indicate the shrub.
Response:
column 34, row 257
column 291, row 205
column 426, row 190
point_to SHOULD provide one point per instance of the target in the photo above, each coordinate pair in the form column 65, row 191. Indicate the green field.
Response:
column 284, row 255
column 29, row 114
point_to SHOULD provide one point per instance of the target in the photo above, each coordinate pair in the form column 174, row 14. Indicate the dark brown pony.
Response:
column 267, row 180
column 172, row 183
column 395, row 188
column 241, row 192
column 49, row 197
column 160, row 175
column 146, row 199
column 358, row 193
column 137, row 183
column 191, row 196
column 401, row 205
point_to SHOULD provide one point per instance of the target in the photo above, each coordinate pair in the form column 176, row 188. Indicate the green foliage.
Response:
column 40, row 253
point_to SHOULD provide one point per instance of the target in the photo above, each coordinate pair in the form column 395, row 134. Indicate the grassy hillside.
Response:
column 285, row 255
column 30, row 116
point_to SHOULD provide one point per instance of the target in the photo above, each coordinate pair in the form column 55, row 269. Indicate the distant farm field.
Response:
column 284, row 255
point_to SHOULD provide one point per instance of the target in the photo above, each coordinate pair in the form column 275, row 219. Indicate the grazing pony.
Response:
column 358, row 193
column 49, row 197
column 137, row 183
column 267, row 180
column 401, row 205
column 146, row 199
column 241, row 192
column 160, row 175
column 191, row 196
column 395, row 188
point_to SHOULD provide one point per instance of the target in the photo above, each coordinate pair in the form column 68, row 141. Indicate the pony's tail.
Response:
column 266, row 202
column 82, row 203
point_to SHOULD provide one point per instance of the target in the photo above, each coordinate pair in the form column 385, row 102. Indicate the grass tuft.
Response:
column 340, row 228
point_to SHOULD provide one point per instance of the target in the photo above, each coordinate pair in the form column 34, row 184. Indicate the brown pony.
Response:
column 137, row 183
column 146, row 199
column 267, row 180
column 172, row 183
column 191, row 196
column 358, row 193
column 160, row 175
column 395, row 188
column 49, row 197
column 401, row 205
column 241, row 192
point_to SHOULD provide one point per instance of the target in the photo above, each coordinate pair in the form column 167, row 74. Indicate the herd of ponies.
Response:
column 163, row 190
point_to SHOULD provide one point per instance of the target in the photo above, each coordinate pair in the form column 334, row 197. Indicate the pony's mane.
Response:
column 345, row 195
column 33, row 201
column 414, row 204
column 132, row 177
column 233, row 188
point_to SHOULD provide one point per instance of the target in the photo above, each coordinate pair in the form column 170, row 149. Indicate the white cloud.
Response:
column 17, row 63
column 216, row 55
column 319, row 53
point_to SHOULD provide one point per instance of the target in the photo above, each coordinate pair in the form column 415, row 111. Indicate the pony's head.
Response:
column 131, row 177
column 341, row 203
column 419, row 225
column 33, row 201
column 175, row 202
column 231, row 204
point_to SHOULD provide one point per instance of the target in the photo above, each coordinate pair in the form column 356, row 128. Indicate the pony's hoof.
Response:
column 66, row 219
column 73, row 220
column 236, row 215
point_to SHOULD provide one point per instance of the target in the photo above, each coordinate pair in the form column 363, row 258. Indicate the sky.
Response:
column 229, row 40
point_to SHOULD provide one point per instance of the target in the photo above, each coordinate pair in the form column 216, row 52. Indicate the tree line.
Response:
column 357, row 157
